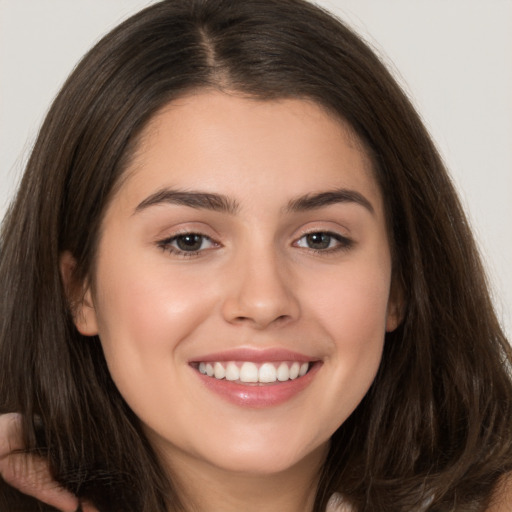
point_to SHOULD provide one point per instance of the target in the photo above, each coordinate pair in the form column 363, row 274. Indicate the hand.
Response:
column 29, row 473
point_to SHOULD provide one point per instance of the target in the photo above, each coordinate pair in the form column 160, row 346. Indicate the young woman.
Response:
column 236, row 276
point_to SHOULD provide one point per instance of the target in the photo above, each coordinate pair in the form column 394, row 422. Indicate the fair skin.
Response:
column 273, row 278
column 251, row 232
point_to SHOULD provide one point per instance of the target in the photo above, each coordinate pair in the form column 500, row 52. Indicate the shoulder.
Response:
column 502, row 496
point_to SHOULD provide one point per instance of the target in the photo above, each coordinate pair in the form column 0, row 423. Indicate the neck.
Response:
column 204, row 488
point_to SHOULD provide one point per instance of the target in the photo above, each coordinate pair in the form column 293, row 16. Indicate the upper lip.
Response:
column 254, row 355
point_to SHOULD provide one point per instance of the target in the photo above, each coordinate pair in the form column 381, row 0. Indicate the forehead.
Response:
column 213, row 140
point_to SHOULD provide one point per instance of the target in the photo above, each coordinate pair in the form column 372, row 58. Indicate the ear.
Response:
column 79, row 297
column 395, row 311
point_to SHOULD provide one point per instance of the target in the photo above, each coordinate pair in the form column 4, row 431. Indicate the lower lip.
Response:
column 259, row 396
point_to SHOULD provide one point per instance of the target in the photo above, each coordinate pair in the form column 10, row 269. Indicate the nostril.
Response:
column 263, row 322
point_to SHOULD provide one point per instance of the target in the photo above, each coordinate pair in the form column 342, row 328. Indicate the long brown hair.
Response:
column 435, row 430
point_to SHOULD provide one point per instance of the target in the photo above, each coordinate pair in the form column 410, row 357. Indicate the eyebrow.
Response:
column 321, row 199
column 192, row 199
column 224, row 204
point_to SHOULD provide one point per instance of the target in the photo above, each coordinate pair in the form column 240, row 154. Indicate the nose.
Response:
column 260, row 292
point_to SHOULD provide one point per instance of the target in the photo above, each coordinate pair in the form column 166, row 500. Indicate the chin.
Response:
column 270, row 459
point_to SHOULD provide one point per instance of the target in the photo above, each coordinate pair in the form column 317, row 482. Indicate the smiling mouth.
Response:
column 251, row 373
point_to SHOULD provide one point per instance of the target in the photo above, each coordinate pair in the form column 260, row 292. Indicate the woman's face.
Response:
column 246, row 246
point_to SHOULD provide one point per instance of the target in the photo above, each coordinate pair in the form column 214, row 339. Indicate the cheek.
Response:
column 147, row 303
column 352, row 315
column 143, row 315
column 352, row 302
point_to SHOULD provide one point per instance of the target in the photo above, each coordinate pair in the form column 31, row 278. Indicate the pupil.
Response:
column 189, row 242
column 318, row 240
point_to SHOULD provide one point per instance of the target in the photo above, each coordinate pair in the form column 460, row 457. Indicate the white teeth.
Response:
column 219, row 371
column 232, row 372
column 250, row 373
column 283, row 372
column 268, row 373
column 294, row 370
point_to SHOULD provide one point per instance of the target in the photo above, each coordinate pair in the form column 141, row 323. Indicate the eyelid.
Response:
column 175, row 229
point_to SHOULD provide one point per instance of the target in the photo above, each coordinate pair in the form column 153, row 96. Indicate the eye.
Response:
column 187, row 244
column 323, row 241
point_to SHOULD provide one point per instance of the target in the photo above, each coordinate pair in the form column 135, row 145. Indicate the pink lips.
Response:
column 257, row 395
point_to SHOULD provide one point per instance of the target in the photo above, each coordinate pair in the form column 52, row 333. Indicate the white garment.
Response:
column 336, row 504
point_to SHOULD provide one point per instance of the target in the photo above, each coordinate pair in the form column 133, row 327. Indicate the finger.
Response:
column 30, row 475
column 87, row 507
column 10, row 433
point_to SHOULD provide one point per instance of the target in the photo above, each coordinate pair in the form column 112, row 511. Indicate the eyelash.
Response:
column 342, row 243
column 166, row 244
